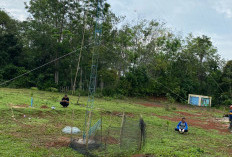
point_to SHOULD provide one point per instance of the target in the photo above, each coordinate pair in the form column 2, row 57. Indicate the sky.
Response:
column 209, row 17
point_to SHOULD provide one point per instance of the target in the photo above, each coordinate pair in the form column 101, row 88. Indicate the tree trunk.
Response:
column 71, row 85
column 102, row 85
column 79, row 59
column 56, row 72
column 80, row 84
column 59, row 40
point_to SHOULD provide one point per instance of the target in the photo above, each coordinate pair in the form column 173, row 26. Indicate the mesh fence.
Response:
column 114, row 141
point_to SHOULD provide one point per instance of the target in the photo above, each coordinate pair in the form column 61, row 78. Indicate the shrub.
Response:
column 173, row 108
column 53, row 89
column 108, row 91
column 227, row 102
column 119, row 96
column 34, row 88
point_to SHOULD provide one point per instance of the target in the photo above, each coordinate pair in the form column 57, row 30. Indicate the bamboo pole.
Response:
column 79, row 59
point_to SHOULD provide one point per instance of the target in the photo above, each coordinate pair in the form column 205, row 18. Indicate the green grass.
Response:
column 33, row 134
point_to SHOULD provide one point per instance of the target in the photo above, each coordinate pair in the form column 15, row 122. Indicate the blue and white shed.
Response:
column 199, row 100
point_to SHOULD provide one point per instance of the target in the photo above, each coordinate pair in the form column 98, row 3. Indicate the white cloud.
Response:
column 3, row 4
column 17, row 13
column 15, row 8
column 223, row 7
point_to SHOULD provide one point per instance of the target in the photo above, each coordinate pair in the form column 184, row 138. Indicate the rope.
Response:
column 40, row 66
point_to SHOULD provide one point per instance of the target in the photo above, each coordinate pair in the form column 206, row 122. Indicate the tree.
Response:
column 204, row 57
column 11, row 50
column 51, row 20
column 226, row 84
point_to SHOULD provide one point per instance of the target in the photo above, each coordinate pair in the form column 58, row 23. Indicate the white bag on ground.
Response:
column 69, row 129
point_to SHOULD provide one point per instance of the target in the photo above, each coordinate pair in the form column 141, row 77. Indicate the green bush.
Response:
column 108, row 91
column 119, row 96
column 11, row 71
column 99, row 95
column 34, row 88
column 227, row 102
column 134, row 83
column 51, row 89
column 108, row 98
column 173, row 108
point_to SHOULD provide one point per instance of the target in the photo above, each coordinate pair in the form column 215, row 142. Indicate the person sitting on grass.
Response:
column 182, row 126
column 65, row 101
column 230, row 118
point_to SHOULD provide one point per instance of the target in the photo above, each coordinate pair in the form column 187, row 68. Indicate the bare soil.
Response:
column 110, row 140
column 59, row 142
column 44, row 106
column 20, row 106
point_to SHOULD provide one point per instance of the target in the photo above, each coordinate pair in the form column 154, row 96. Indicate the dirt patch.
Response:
column 110, row 140
column 208, row 124
column 19, row 106
column 44, row 106
column 60, row 142
column 130, row 115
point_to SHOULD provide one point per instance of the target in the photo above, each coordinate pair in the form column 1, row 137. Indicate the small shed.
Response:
column 199, row 100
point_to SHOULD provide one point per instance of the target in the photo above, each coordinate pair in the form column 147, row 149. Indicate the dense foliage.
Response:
column 145, row 59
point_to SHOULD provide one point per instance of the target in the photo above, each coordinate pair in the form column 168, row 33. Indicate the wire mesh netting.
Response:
column 113, row 141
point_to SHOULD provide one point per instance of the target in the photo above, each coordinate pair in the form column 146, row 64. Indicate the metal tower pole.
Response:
column 93, row 76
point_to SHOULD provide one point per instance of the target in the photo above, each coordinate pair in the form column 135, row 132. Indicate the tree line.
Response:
column 145, row 59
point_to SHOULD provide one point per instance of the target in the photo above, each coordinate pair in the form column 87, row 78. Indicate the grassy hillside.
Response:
column 37, row 131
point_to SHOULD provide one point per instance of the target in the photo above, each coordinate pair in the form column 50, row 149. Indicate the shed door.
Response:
column 205, row 102
column 194, row 100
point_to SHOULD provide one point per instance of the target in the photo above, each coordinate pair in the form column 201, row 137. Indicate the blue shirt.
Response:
column 182, row 125
column 230, row 115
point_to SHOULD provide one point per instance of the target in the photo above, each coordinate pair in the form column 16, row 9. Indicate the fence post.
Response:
column 121, row 131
